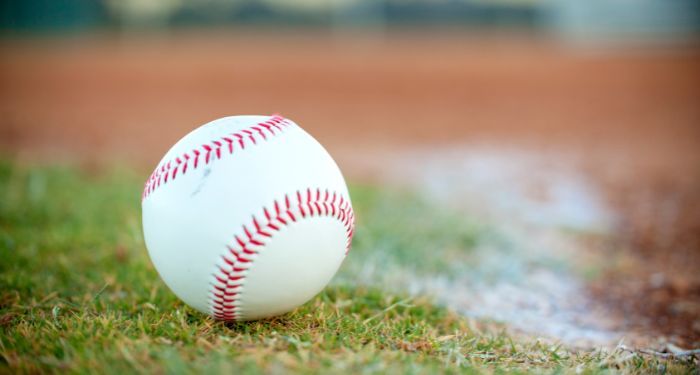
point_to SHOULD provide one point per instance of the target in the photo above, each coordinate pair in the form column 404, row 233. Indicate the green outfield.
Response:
column 78, row 294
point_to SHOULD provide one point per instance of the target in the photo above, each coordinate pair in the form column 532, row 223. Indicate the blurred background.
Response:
column 572, row 125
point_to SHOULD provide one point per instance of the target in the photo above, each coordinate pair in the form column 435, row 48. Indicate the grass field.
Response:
column 78, row 294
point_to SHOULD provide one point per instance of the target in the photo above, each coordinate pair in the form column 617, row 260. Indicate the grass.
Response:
column 78, row 294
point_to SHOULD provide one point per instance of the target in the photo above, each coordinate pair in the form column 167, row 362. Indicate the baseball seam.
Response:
column 206, row 153
column 229, row 279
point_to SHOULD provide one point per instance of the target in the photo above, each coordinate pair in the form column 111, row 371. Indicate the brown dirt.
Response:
column 656, row 282
column 633, row 114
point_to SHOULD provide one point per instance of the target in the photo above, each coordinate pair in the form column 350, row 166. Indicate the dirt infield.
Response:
column 134, row 97
column 631, row 115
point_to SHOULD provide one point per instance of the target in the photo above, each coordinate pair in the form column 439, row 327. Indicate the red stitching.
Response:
column 229, row 278
column 213, row 150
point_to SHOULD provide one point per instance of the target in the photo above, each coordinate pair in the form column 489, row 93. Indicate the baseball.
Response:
column 247, row 217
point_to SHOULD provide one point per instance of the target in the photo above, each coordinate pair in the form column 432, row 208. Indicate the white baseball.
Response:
column 247, row 217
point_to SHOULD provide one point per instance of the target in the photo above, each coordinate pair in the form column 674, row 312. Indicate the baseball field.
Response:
column 521, row 205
